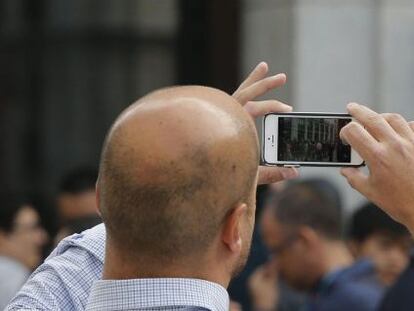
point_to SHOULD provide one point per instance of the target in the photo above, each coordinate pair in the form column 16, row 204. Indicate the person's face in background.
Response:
column 296, row 261
column 28, row 237
column 389, row 253
column 72, row 206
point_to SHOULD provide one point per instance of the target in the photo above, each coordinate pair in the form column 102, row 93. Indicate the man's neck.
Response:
column 120, row 268
column 337, row 256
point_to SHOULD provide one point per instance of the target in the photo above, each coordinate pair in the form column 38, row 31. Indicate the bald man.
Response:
column 64, row 280
column 175, row 235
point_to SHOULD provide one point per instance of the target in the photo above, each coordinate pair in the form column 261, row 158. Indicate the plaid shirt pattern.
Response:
column 157, row 294
column 64, row 280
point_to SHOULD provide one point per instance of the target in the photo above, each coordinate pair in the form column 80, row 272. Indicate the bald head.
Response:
column 172, row 166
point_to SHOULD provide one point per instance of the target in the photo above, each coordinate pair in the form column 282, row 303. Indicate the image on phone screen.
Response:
column 312, row 140
column 307, row 139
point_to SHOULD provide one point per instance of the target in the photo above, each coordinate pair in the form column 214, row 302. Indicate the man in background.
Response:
column 376, row 236
column 303, row 230
column 21, row 242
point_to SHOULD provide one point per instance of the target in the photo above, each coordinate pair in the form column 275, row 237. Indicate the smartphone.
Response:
column 307, row 139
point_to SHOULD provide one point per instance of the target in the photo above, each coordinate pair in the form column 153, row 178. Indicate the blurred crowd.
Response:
column 25, row 239
column 309, row 256
column 307, row 253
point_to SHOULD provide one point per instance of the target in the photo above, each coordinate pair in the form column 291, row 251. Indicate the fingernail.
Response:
column 289, row 173
column 279, row 76
column 352, row 105
column 262, row 64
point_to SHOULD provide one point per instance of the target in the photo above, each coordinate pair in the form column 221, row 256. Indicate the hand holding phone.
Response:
column 386, row 141
column 307, row 139
column 255, row 85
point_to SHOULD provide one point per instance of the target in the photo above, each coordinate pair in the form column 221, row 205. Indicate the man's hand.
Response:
column 386, row 143
column 258, row 84
column 263, row 287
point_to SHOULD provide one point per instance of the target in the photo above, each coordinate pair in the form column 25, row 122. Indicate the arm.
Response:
column 255, row 85
column 63, row 282
column 386, row 143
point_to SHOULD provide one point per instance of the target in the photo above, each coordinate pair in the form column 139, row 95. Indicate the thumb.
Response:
column 357, row 179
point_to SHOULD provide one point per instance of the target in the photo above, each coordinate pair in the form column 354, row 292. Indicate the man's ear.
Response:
column 97, row 194
column 232, row 228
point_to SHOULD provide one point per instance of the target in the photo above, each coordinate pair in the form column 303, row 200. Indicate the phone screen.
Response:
column 312, row 140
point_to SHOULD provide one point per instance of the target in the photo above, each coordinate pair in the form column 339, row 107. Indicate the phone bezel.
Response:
column 314, row 164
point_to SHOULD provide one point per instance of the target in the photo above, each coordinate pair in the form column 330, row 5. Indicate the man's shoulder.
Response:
column 352, row 288
column 64, row 280
column 352, row 295
column 92, row 240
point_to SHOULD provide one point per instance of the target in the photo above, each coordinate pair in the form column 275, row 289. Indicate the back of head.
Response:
column 370, row 219
column 172, row 166
column 315, row 203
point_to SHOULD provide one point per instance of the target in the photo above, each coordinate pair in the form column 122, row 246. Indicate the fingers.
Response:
column 259, row 88
column 376, row 125
column 411, row 124
column 355, row 135
column 399, row 124
column 260, row 108
column 268, row 175
column 258, row 73
column 357, row 179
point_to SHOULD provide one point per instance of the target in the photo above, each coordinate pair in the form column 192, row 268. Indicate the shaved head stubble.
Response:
column 172, row 166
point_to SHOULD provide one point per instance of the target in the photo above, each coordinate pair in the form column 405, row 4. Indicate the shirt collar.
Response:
column 157, row 293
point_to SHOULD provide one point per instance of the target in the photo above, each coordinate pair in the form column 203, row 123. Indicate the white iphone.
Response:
column 307, row 139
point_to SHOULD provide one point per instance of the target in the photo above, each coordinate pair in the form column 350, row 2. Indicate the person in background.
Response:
column 265, row 289
column 399, row 297
column 376, row 236
column 303, row 231
column 76, row 194
column 21, row 242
